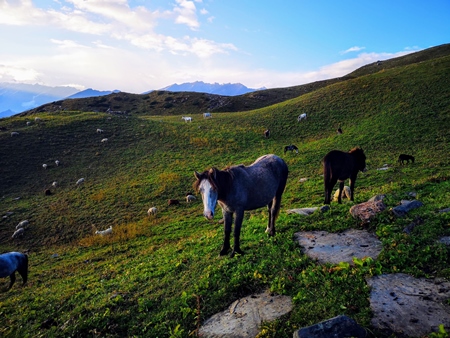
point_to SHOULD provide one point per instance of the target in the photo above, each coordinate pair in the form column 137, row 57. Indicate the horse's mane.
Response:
column 219, row 179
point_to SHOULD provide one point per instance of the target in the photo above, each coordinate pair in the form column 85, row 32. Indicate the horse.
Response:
column 186, row 118
column 403, row 157
column 239, row 188
column 267, row 133
column 11, row 262
column 291, row 148
column 339, row 165
column 301, row 117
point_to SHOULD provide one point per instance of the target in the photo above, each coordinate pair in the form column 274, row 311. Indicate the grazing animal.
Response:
column 11, row 262
column 14, row 133
column 205, row 115
column 44, row 166
column 405, row 158
column 186, row 118
column 80, row 181
column 267, row 133
column 57, row 163
column 239, row 188
column 339, row 130
column 18, row 233
column 291, row 147
column 301, row 117
column 338, row 166
column 190, row 198
column 99, row 131
column 54, row 184
column 47, row 192
column 346, row 193
column 104, row 140
column 37, row 119
column 23, row 224
column 28, row 123
column 173, row 202
column 104, row 232
column 152, row 211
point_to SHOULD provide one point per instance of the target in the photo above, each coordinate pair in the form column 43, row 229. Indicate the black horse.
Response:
column 405, row 158
column 291, row 147
column 10, row 263
column 338, row 166
column 240, row 188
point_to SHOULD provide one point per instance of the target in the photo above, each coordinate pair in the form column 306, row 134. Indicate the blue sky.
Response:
column 139, row 45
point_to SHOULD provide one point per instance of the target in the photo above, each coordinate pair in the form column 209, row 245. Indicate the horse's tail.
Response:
column 280, row 190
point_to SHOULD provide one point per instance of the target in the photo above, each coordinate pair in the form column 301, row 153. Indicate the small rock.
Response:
column 444, row 210
column 367, row 210
column 405, row 207
column 302, row 211
column 340, row 326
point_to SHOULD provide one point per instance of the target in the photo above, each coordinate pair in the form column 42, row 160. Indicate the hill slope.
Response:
column 160, row 276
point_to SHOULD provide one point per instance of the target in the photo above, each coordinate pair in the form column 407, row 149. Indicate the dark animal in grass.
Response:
column 47, row 192
column 173, row 202
column 291, row 147
column 267, row 133
column 339, row 130
column 405, row 158
column 339, row 166
column 239, row 188
column 10, row 263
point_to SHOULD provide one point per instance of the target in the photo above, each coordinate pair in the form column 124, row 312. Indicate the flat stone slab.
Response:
column 302, row 211
column 410, row 306
column 243, row 318
column 405, row 207
column 334, row 248
column 340, row 326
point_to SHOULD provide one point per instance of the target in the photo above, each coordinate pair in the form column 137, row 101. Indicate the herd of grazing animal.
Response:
column 236, row 189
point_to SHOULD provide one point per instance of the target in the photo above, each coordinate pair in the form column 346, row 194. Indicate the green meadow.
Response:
column 161, row 276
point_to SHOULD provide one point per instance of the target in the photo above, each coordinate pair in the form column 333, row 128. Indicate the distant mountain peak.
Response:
column 226, row 89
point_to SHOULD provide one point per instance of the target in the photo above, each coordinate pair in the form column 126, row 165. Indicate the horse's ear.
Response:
column 197, row 175
column 213, row 173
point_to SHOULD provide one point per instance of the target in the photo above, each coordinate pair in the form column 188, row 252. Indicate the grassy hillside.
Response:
column 161, row 276
column 189, row 103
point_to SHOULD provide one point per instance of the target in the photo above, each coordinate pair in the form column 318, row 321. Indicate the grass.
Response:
column 160, row 276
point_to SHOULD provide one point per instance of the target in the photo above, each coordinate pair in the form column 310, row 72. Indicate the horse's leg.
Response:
column 12, row 278
column 228, row 220
column 269, row 224
column 329, row 185
column 239, row 217
column 341, row 187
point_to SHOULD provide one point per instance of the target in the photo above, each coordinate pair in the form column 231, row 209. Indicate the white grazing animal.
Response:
column 55, row 184
column 346, row 193
column 14, row 133
column 190, row 198
column 301, row 117
column 186, row 118
column 57, row 163
column 104, row 232
column 105, row 140
column 23, row 224
column 18, row 232
column 99, row 131
column 152, row 211
column 44, row 166
column 80, row 181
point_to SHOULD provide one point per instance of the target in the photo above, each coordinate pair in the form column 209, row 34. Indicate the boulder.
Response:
column 367, row 210
column 339, row 247
column 244, row 317
column 340, row 326
column 408, row 306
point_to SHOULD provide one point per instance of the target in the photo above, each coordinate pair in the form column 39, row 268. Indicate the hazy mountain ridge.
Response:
column 226, row 89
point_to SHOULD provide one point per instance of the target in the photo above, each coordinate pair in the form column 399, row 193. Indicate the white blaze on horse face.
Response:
column 209, row 197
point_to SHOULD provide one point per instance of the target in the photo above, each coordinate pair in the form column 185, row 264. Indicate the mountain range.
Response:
column 18, row 97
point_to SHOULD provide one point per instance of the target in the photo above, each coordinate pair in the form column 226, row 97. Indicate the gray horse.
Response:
column 240, row 188
column 11, row 262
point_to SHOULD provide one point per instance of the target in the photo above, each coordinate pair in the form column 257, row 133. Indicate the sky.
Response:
column 141, row 45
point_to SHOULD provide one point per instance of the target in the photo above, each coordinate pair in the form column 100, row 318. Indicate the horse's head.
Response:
column 360, row 157
column 206, row 185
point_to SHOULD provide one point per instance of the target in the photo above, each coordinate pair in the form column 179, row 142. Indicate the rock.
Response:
column 339, row 247
column 302, row 211
column 243, row 318
column 367, row 210
column 340, row 326
column 445, row 240
column 409, row 306
column 405, row 207
column 444, row 210
column 417, row 221
column 377, row 198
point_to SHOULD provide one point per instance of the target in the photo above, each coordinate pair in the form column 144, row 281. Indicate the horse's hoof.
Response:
column 223, row 252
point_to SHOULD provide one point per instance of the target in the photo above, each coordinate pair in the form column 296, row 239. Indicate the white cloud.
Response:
column 186, row 13
column 353, row 49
